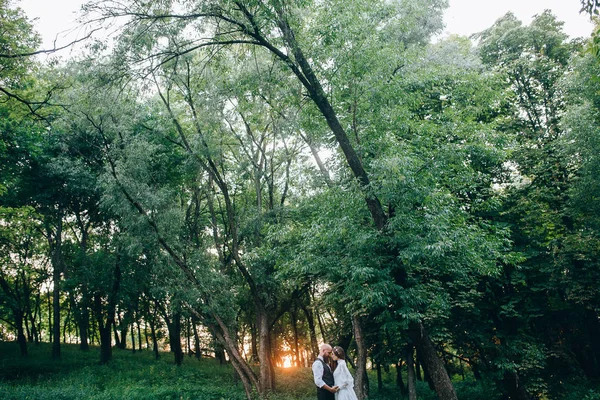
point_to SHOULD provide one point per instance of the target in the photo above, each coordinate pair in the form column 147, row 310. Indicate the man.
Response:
column 323, row 374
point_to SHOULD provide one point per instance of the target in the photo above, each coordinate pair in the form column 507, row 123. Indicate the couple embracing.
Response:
column 333, row 383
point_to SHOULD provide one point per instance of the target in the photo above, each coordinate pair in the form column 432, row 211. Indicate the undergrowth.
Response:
column 135, row 376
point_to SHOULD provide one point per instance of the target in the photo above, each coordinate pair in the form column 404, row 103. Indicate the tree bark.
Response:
column 361, row 380
column 399, row 381
column 21, row 339
column 296, row 359
column 432, row 363
column 411, row 380
column 314, row 346
column 267, row 377
column 105, row 331
column 55, row 244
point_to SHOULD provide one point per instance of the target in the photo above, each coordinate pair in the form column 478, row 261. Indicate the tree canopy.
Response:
column 247, row 179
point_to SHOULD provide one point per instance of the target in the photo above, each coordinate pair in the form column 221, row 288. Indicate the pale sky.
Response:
column 56, row 19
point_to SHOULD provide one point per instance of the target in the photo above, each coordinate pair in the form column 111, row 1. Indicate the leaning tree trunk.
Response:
column 302, row 68
column 313, row 333
column 361, row 381
column 432, row 363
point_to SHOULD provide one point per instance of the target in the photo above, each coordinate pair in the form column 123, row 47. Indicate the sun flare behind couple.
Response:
column 333, row 383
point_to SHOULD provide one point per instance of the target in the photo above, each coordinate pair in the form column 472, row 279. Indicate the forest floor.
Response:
column 78, row 375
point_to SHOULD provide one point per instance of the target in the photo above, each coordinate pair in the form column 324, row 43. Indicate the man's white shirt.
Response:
column 318, row 370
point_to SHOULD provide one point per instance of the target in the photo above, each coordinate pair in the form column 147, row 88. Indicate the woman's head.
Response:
column 338, row 353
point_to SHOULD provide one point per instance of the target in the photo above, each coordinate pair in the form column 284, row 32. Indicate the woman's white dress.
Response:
column 345, row 381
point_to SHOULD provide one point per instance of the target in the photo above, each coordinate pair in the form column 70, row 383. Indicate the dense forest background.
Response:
column 243, row 180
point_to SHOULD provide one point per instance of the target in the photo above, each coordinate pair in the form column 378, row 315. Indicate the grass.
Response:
column 78, row 375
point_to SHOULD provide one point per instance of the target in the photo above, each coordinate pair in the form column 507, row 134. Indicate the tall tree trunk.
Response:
column 116, row 333
column 301, row 67
column 399, row 381
column 55, row 244
column 50, row 328
column 36, row 318
column 21, row 339
column 66, row 325
column 432, row 363
column 296, row 360
column 361, row 380
column 379, row 378
column 196, row 338
column 84, row 325
column 267, row 378
column 411, row 380
column 133, row 337
column 174, row 327
column 314, row 346
column 105, row 331
column 154, row 338
column 188, row 335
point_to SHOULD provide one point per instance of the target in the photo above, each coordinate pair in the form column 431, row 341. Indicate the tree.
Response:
column 254, row 24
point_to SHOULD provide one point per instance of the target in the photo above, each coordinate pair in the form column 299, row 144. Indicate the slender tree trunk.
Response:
column 154, row 338
column 124, row 327
column 516, row 390
column 50, row 329
column 66, row 325
column 36, row 318
column 55, row 243
column 146, row 333
column 314, row 346
column 411, row 380
column 188, row 334
column 196, row 338
column 84, row 323
column 139, row 334
column 296, row 360
column 116, row 333
column 361, row 381
column 399, row 381
column 133, row 337
column 21, row 339
column 28, row 334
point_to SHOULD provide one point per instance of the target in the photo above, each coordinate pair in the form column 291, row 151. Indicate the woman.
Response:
column 342, row 377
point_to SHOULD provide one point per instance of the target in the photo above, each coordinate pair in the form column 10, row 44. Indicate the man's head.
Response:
column 325, row 351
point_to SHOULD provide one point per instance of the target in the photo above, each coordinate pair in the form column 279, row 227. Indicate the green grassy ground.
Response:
column 78, row 375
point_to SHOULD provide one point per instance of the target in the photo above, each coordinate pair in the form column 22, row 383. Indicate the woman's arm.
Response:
column 348, row 380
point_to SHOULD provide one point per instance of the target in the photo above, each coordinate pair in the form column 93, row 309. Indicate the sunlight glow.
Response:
column 287, row 362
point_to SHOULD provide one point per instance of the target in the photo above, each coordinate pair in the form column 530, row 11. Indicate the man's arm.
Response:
column 317, row 369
